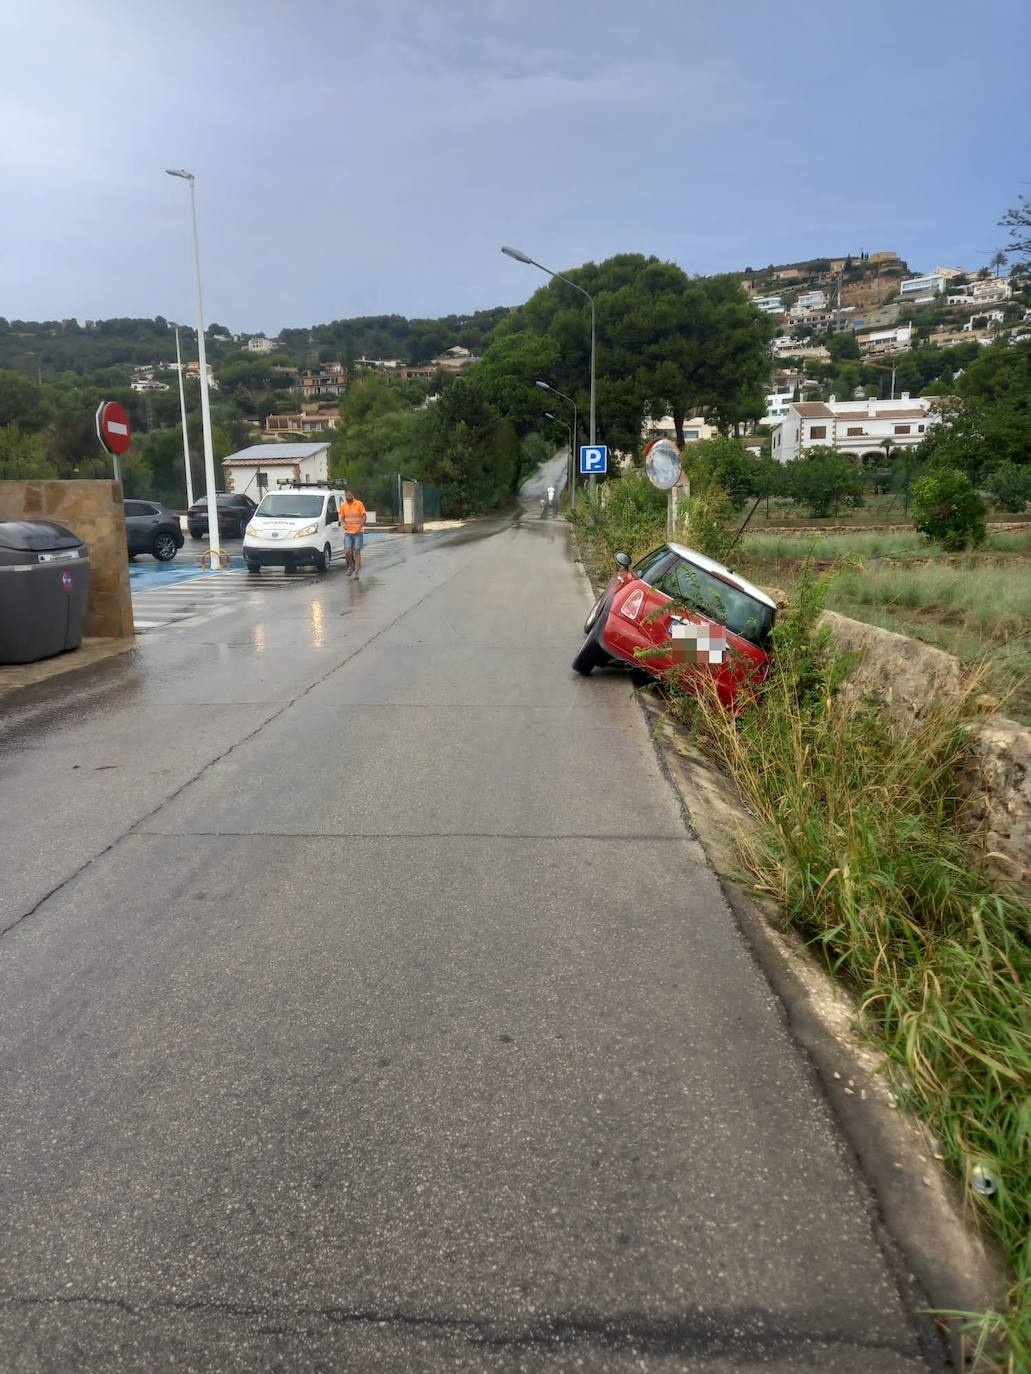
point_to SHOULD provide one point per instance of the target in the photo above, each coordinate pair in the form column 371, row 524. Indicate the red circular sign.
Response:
column 113, row 428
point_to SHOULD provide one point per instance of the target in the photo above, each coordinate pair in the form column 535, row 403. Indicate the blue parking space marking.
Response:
column 164, row 575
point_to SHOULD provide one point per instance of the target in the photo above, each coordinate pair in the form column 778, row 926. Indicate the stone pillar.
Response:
column 93, row 511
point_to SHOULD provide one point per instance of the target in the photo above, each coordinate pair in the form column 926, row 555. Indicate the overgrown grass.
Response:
column 976, row 606
column 990, row 598
column 870, row 544
column 633, row 520
column 859, row 841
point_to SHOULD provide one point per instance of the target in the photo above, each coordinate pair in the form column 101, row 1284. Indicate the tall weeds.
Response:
column 858, row 840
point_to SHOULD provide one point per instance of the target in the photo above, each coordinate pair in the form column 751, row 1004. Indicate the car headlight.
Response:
column 252, row 531
column 308, row 530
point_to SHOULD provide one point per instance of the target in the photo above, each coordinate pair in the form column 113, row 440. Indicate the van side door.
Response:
column 334, row 532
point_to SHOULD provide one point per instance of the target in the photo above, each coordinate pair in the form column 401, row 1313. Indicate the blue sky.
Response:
column 365, row 158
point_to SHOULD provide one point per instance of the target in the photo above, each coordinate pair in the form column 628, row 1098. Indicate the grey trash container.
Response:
column 44, row 586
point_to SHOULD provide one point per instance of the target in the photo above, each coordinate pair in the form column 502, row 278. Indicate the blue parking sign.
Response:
column 594, row 459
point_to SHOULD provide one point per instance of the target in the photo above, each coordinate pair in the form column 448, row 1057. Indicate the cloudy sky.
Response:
column 361, row 158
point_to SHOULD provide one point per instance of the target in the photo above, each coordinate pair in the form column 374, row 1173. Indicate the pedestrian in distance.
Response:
column 352, row 516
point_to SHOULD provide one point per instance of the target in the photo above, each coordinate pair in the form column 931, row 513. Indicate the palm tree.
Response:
column 999, row 262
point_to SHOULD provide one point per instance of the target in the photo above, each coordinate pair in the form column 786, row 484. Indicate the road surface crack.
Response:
column 736, row 1334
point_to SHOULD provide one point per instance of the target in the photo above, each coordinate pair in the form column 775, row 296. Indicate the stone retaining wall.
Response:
column 93, row 511
column 905, row 676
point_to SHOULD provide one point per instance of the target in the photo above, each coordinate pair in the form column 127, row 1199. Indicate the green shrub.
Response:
column 824, row 481
column 727, row 463
column 1010, row 485
column 947, row 510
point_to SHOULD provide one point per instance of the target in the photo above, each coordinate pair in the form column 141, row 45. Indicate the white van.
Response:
column 295, row 526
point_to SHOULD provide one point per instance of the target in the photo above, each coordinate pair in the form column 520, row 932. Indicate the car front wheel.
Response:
column 164, row 548
column 592, row 653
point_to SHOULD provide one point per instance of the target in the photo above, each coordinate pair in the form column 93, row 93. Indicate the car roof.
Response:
column 710, row 565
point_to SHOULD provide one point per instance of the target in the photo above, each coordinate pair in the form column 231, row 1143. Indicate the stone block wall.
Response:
column 905, row 676
column 93, row 511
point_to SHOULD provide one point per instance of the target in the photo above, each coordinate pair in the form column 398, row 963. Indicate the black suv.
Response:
column 151, row 527
column 234, row 514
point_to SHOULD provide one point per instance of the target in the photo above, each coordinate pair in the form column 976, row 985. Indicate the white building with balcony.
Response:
column 695, row 429
column 854, row 427
column 777, row 403
column 985, row 292
column 887, row 340
column 261, row 345
column 983, row 320
column 920, row 288
column 769, row 305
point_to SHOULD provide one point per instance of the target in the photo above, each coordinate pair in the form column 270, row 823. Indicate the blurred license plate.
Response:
column 59, row 556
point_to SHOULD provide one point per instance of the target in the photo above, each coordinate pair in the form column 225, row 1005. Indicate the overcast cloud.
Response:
column 364, row 158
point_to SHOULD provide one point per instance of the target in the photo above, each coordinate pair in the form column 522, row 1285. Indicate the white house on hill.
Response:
column 856, row 427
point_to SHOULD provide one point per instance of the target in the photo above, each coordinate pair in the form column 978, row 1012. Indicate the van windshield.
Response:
column 284, row 505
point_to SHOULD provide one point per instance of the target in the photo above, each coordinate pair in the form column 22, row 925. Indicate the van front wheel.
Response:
column 323, row 560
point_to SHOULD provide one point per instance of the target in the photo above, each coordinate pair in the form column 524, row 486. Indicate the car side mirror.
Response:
column 623, row 559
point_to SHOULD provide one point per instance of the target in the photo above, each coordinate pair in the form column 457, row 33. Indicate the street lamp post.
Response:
column 182, row 412
column 522, row 257
column 205, row 409
column 545, row 386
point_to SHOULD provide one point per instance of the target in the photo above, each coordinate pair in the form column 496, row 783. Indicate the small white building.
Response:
column 769, row 305
column 986, row 318
column 148, row 384
column 694, row 429
column 854, row 427
column 887, row 340
column 777, row 403
column 916, row 288
column 255, row 470
column 812, row 300
column 259, row 344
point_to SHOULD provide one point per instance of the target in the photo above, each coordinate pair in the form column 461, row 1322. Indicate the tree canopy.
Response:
column 667, row 344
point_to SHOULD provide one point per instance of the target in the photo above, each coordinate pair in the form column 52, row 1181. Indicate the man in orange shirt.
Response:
column 352, row 517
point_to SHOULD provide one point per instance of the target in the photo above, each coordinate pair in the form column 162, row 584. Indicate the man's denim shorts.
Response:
column 354, row 541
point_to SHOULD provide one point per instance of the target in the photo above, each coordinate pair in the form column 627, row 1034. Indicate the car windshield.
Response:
column 651, row 566
column 711, row 597
column 284, row 505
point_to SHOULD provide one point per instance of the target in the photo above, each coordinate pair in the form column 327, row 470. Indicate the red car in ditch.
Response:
column 678, row 610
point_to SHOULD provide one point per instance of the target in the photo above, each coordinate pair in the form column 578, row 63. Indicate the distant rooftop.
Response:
column 275, row 453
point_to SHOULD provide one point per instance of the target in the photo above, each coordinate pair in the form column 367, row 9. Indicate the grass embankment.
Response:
column 976, row 606
column 879, row 510
column 859, row 841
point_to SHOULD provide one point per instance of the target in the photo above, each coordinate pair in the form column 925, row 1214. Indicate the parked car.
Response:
column 685, row 612
column 234, row 512
column 295, row 527
column 151, row 527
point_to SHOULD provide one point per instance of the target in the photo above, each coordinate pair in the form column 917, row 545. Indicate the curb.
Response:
column 936, row 1258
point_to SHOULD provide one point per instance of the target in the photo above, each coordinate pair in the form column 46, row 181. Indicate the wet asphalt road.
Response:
column 366, row 1005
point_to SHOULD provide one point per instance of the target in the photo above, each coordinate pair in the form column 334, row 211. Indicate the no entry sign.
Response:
column 113, row 428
